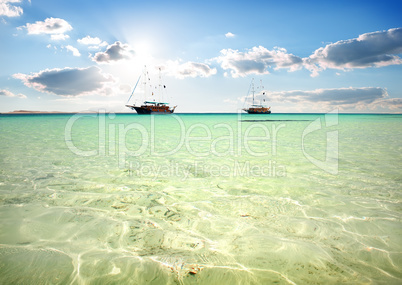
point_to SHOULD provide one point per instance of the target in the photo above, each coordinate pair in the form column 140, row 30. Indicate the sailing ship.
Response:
column 254, row 107
column 152, row 106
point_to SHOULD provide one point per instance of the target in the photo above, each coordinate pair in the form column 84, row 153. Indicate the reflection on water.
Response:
column 215, row 210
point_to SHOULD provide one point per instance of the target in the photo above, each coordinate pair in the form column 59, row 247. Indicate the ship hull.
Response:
column 152, row 110
column 142, row 111
column 258, row 111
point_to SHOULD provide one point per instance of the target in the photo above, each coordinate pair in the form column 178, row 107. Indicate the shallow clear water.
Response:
column 206, row 199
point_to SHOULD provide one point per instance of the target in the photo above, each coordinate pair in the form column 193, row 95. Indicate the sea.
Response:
column 105, row 198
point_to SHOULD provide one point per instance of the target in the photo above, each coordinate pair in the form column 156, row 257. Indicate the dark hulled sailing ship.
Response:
column 152, row 108
column 149, row 106
column 255, row 108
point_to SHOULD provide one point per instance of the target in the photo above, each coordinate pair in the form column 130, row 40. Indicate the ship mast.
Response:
column 160, row 86
column 252, row 84
column 146, row 79
column 261, row 87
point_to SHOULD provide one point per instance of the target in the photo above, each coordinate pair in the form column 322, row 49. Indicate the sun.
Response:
column 143, row 51
column 127, row 71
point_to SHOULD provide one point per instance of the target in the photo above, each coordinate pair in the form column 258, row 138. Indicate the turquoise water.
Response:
column 200, row 199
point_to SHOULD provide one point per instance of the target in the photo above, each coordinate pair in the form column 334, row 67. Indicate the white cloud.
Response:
column 230, row 35
column 188, row 69
column 114, row 52
column 56, row 27
column 69, row 81
column 257, row 61
column 8, row 9
column 93, row 42
column 73, row 50
column 375, row 49
column 390, row 104
column 59, row 37
column 7, row 93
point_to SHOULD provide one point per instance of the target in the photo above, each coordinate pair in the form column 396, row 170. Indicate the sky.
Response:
column 305, row 56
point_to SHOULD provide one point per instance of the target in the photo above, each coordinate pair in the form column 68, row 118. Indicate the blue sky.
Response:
column 311, row 56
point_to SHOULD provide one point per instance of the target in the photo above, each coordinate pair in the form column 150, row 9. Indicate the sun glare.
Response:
column 128, row 71
column 143, row 51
